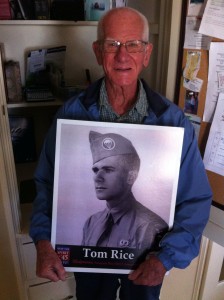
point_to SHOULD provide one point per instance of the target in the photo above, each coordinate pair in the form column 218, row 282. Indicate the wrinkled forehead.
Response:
column 124, row 24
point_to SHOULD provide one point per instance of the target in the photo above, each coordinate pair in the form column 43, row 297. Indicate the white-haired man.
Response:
column 123, row 50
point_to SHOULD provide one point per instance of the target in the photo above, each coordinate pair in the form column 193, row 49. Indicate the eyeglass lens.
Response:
column 131, row 46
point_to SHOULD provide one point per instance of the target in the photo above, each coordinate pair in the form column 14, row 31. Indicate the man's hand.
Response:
column 151, row 272
column 48, row 263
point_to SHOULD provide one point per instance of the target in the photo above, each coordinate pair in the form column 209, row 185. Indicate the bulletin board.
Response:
column 216, row 180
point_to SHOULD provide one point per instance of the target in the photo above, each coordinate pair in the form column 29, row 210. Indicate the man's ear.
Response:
column 132, row 175
column 148, row 52
column 98, row 52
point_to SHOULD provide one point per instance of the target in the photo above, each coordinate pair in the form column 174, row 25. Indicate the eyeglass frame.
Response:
column 119, row 44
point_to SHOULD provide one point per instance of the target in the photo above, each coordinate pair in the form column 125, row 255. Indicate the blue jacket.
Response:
column 181, row 244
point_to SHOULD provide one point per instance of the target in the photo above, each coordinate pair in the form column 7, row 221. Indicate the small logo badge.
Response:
column 124, row 243
column 108, row 144
column 64, row 254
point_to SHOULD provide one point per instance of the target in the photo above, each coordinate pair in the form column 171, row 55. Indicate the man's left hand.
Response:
column 151, row 272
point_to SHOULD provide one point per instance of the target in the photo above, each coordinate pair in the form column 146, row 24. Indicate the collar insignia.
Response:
column 124, row 243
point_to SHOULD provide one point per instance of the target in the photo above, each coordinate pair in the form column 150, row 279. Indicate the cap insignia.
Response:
column 108, row 144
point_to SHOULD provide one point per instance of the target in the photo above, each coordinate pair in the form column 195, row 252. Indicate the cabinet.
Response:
column 20, row 36
column 41, row 113
column 30, row 287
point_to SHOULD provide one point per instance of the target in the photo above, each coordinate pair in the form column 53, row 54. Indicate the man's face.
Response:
column 123, row 68
column 110, row 178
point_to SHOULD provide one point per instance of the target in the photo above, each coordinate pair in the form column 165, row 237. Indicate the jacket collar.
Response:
column 157, row 103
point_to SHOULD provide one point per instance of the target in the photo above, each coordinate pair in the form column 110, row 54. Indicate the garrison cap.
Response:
column 109, row 144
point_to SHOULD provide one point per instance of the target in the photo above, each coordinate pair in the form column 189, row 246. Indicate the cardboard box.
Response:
column 13, row 82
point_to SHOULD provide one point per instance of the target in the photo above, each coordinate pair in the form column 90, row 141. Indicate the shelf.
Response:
column 48, row 22
column 154, row 27
column 35, row 104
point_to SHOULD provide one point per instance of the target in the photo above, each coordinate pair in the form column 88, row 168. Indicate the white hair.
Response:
column 100, row 28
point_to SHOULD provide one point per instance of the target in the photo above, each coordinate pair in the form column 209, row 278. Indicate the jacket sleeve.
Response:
column 40, row 225
column 181, row 245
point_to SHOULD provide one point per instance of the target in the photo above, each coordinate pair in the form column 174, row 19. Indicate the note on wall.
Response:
column 192, row 65
column 196, row 7
column 194, row 39
column 215, row 79
column 214, row 152
column 212, row 23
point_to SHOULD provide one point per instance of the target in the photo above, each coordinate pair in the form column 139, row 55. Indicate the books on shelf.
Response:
column 5, row 10
column 75, row 10
column 34, row 10
column 41, row 10
column 72, row 10
column 27, row 9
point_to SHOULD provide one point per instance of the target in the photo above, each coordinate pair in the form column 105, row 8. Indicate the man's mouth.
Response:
column 122, row 69
column 100, row 188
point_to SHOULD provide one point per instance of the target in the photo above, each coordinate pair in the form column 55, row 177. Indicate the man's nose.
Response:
column 99, row 176
column 122, row 53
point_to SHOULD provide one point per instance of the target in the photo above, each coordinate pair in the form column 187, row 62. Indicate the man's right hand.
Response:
column 48, row 263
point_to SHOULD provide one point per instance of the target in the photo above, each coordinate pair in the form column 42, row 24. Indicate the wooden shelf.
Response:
column 48, row 22
column 154, row 27
column 35, row 104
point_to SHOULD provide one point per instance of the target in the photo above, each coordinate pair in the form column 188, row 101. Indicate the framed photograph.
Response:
column 115, row 190
column 94, row 10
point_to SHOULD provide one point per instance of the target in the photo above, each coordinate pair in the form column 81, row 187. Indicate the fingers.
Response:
column 151, row 272
column 51, row 269
column 52, row 275
column 48, row 263
column 135, row 274
column 60, row 272
column 144, row 279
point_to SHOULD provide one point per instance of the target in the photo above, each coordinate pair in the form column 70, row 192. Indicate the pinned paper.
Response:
column 194, row 85
column 192, row 65
column 194, row 39
column 191, row 102
column 212, row 23
column 215, row 79
column 196, row 7
column 214, row 152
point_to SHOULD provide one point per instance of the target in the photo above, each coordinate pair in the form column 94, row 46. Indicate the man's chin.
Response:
column 123, row 80
column 100, row 197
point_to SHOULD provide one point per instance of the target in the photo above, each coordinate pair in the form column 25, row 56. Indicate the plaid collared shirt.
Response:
column 135, row 115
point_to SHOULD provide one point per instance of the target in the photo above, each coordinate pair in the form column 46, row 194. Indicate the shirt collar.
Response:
column 124, row 207
column 141, row 105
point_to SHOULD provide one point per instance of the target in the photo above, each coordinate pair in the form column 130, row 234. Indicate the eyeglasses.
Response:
column 131, row 46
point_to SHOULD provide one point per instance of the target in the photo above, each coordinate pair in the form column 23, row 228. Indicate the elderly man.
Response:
column 124, row 222
column 123, row 51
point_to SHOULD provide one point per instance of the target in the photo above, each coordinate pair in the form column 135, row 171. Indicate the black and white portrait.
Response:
column 133, row 184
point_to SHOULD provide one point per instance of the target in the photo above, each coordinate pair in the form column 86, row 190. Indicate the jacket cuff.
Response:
column 166, row 260
column 40, row 237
